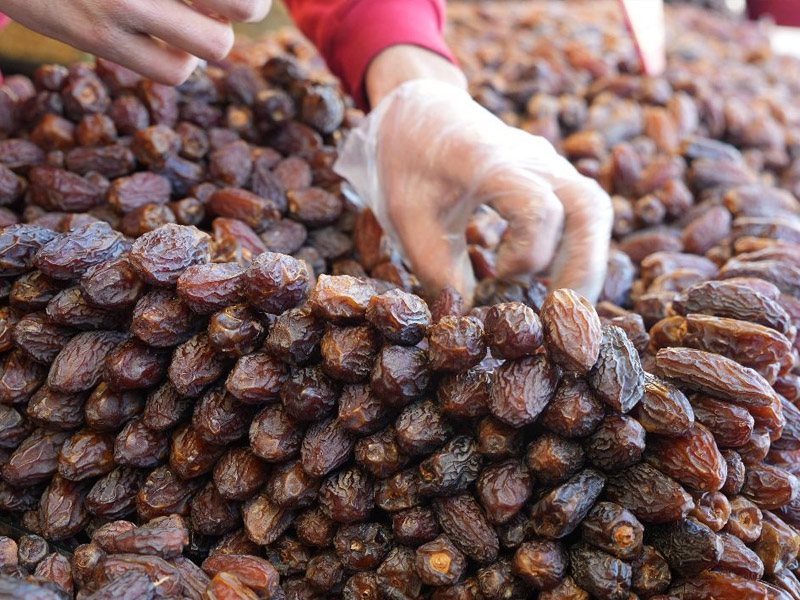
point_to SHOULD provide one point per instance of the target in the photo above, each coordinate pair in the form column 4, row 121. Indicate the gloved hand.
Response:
column 428, row 155
column 161, row 39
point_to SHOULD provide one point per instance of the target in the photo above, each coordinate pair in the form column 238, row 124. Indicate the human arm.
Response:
column 428, row 155
column 161, row 39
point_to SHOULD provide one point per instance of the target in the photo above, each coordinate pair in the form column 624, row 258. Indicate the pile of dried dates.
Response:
column 219, row 382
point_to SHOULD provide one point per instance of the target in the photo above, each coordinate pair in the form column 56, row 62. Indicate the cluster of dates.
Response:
column 704, row 270
column 218, row 380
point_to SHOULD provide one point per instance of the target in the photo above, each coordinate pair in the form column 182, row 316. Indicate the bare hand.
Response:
column 161, row 39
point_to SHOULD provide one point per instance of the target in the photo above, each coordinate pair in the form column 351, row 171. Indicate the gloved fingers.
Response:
column 238, row 11
column 436, row 255
column 535, row 217
column 150, row 57
column 581, row 260
column 181, row 26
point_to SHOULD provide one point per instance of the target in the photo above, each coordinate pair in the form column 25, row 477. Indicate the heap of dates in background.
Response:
column 218, row 381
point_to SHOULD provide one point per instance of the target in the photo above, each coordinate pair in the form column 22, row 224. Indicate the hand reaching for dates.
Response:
column 428, row 155
column 161, row 39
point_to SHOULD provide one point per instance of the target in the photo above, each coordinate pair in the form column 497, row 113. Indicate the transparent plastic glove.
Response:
column 428, row 155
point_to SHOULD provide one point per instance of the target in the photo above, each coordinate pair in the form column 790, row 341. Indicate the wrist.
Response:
column 404, row 62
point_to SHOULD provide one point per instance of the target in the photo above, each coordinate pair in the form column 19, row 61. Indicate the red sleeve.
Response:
column 783, row 12
column 350, row 33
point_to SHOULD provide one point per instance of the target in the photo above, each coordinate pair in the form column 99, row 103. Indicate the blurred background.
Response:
column 21, row 50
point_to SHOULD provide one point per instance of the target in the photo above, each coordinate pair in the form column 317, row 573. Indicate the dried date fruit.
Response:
column 360, row 411
column 256, row 379
column 739, row 559
column 219, row 418
column 33, row 291
column 195, row 365
column 35, row 459
column 253, row 571
column 62, row 511
column 693, row 459
column 72, row 254
column 401, row 318
column 497, row 439
column 161, row 319
column 56, row 410
column 209, row 287
column 552, row 460
column 19, row 245
column 340, row 298
column 114, row 495
column 715, row 375
column 264, row 521
column 129, row 193
column 451, row 469
column 108, row 410
column 689, row 546
column 276, row 282
column 39, row 337
column 289, row 486
column 573, row 411
column 362, row 546
column 274, row 436
column 749, row 344
column 521, row 389
column 137, row 446
column 613, row 529
column 348, row 352
column 769, row 486
column 112, row 285
column 439, row 562
column 649, row 494
column 14, row 427
column 599, row 573
column 236, row 330
column 163, row 493
column 400, row 374
column 134, row 365
column 731, row 425
column 420, row 429
column 617, row 378
column 617, row 443
column 313, row 206
column 78, row 367
column 572, row 330
column 498, row 581
column 253, row 210
column 239, row 473
column 415, row 526
column 463, row 521
column 711, row 509
column 161, row 256
column 503, row 490
column 53, row 189
column 164, row 408
column 70, row 308
column 464, row 395
column 347, row 496
column 541, row 564
column 734, row 301
column 663, row 409
column 456, row 343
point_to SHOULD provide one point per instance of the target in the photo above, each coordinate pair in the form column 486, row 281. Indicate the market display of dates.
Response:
column 218, row 380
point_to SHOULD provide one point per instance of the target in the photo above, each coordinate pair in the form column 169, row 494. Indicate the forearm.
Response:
column 350, row 34
column 398, row 64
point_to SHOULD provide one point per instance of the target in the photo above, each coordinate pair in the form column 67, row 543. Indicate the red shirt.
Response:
column 783, row 12
column 350, row 33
